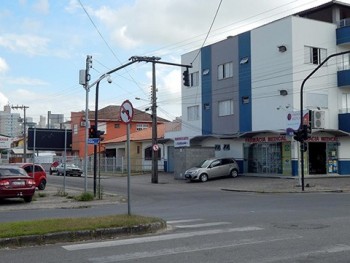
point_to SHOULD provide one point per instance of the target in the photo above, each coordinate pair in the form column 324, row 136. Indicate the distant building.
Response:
column 10, row 123
column 55, row 121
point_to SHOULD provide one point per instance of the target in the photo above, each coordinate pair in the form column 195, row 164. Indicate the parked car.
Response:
column 39, row 173
column 15, row 182
column 53, row 167
column 71, row 170
column 212, row 168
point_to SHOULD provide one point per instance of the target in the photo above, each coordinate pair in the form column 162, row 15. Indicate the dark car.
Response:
column 15, row 182
column 212, row 168
column 39, row 173
column 71, row 170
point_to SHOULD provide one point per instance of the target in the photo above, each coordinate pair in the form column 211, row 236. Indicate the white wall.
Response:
column 271, row 72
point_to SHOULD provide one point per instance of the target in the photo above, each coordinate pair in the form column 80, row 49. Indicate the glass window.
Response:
column 148, row 153
column 226, row 147
column 141, row 126
column 314, row 55
column 194, row 78
column 225, row 70
column 193, row 113
column 225, row 107
column 217, row 147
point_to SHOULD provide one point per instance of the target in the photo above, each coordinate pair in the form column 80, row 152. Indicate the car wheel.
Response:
column 203, row 178
column 42, row 184
column 28, row 199
column 234, row 173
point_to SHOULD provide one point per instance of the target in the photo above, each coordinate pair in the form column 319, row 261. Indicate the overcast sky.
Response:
column 44, row 44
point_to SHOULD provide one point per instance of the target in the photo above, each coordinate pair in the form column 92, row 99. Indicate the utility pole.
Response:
column 84, row 79
column 24, row 130
column 155, row 147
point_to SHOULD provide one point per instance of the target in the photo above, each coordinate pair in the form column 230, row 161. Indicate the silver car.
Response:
column 213, row 168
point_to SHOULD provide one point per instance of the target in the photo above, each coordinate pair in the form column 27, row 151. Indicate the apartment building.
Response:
column 244, row 94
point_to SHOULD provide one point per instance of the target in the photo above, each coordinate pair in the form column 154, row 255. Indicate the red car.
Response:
column 15, row 182
column 39, row 173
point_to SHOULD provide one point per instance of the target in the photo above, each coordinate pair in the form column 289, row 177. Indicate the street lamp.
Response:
column 24, row 131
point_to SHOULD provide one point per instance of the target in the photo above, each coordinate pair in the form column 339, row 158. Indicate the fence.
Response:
column 104, row 164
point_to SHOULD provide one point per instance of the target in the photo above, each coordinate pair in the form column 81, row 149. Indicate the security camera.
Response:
column 109, row 79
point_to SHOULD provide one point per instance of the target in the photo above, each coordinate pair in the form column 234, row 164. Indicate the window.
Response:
column 194, row 79
column 314, row 55
column 117, row 125
column 345, row 103
column 225, row 107
column 225, row 71
column 148, row 153
column 141, row 126
column 226, row 147
column 75, row 128
column 193, row 113
column 217, row 147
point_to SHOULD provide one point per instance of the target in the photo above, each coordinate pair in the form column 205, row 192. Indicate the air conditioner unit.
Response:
column 82, row 124
column 318, row 119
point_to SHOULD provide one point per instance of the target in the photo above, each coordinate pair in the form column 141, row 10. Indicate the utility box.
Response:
column 187, row 157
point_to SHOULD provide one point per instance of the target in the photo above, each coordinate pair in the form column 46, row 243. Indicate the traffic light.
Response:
column 306, row 132
column 99, row 133
column 298, row 135
column 186, row 78
column 303, row 146
column 92, row 130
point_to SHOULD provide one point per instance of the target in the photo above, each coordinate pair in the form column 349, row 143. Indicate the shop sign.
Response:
column 181, row 142
column 5, row 142
column 281, row 138
column 322, row 139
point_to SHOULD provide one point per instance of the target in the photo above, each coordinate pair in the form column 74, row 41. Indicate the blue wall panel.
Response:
column 206, row 91
column 294, row 167
column 245, row 83
column 344, row 167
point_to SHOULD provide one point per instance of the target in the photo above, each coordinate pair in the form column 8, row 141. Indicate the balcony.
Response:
column 343, row 78
column 343, row 32
column 344, row 121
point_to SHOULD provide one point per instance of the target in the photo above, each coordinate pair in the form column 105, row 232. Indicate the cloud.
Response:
column 42, row 7
column 27, row 82
column 30, row 45
column 3, row 65
column 3, row 101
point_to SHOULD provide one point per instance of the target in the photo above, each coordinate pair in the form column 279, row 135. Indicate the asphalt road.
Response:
column 207, row 224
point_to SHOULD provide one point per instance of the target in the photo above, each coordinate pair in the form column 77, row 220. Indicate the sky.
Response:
column 44, row 44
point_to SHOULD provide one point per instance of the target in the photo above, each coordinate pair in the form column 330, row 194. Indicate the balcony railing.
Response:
column 344, row 22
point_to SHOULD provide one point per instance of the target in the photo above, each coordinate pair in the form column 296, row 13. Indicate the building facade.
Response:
column 245, row 93
column 10, row 123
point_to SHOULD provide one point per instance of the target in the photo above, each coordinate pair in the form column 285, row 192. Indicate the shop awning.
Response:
column 255, row 133
column 336, row 133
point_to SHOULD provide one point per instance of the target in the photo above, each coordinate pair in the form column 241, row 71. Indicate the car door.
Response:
column 215, row 169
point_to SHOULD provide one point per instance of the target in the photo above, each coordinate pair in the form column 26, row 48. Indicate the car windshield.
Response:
column 11, row 172
column 204, row 164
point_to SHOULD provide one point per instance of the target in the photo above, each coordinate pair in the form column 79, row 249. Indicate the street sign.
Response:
column 155, row 147
column 93, row 141
column 126, row 112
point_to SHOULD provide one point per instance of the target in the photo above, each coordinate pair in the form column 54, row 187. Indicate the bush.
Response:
column 86, row 196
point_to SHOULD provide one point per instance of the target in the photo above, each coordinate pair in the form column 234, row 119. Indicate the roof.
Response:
column 112, row 113
column 143, row 135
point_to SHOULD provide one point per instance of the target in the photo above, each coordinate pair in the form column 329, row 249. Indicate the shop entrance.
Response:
column 317, row 158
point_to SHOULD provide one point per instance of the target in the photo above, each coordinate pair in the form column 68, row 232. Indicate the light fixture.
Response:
column 244, row 60
column 283, row 92
column 206, row 72
column 282, row 48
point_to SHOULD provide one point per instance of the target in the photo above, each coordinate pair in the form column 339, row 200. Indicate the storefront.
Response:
column 267, row 155
column 279, row 155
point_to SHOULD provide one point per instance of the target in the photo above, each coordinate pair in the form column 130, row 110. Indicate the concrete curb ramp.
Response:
column 98, row 234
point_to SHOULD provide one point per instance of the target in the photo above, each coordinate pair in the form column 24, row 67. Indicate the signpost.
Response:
column 126, row 115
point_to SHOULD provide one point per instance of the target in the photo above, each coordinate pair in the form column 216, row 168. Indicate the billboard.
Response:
column 49, row 139
column 5, row 142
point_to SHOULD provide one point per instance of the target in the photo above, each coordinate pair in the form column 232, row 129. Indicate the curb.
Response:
column 283, row 191
column 82, row 235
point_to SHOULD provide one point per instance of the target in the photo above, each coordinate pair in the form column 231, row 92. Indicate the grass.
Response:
column 46, row 226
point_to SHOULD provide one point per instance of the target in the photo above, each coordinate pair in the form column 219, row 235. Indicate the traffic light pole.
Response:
column 302, row 105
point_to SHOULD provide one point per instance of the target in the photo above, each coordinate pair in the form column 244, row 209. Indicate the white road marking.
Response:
column 182, row 250
column 202, row 225
column 182, row 221
column 157, row 238
column 327, row 250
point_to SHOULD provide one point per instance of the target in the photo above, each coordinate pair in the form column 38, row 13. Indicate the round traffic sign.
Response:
column 126, row 111
column 155, row 147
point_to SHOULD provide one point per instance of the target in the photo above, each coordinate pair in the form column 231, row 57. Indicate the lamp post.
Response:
column 301, row 109
column 24, row 130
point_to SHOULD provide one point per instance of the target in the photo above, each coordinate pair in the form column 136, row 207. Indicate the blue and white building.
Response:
column 245, row 92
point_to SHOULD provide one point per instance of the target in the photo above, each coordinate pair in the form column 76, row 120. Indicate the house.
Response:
column 108, row 121
column 140, row 148
column 245, row 91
